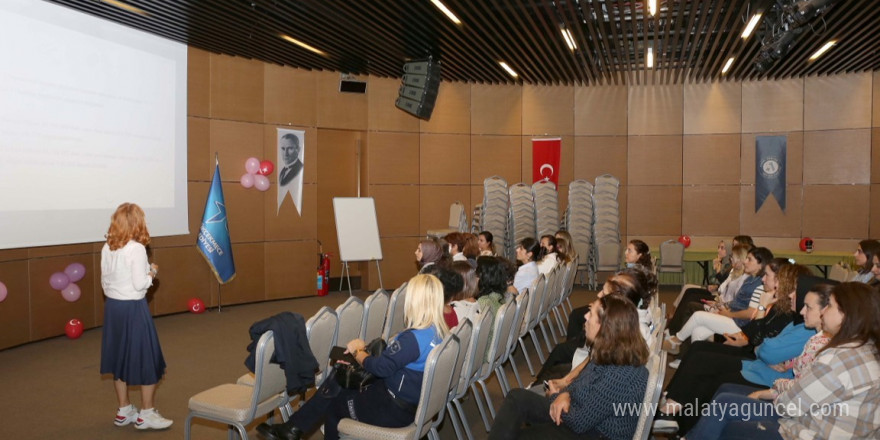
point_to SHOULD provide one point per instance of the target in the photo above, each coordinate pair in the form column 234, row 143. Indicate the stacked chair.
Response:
column 606, row 225
column 495, row 212
column 457, row 222
column 579, row 223
column 522, row 214
column 546, row 208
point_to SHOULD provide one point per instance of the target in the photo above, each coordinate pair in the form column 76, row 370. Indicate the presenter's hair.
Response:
column 126, row 224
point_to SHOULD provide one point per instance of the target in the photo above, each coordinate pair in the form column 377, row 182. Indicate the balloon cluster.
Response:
column 256, row 173
column 65, row 282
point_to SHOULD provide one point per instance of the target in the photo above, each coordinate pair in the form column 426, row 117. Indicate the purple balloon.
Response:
column 252, row 165
column 3, row 292
column 75, row 271
column 71, row 292
column 59, row 280
column 247, row 180
column 261, row 182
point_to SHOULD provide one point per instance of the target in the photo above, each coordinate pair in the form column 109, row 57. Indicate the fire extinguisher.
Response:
column 323, row 279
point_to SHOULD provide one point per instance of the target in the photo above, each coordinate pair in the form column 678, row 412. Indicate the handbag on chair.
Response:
column 349, row 374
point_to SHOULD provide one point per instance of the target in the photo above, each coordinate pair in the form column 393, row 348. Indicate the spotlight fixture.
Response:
column 802, row 11
column 446, row 11
column 822, row 50
column 751, row 26
column 305, row 46
column 510, row 71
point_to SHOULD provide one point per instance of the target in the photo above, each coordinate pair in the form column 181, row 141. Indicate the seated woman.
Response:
column 547, row 259
column 464, row 303
column 572, row 253
column 456, row 242
column 452, row 285
column 581, row 406
column 722, row 265
column 864, row 258
column 428, row 253
column 471, row 249
column 392, row 399
column 527, row 274
column 492, row 276
column 563, row 250
column 735, row 277
column 835, row 395
column 637, row 252
column 703, row 371
column 485, row 244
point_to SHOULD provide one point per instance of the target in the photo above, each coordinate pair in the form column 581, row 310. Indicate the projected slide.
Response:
column 92, row 114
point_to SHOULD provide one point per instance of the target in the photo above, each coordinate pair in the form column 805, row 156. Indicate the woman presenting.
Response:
column 130, row 348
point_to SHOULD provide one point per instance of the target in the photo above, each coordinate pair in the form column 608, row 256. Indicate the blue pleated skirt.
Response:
column 130, row 348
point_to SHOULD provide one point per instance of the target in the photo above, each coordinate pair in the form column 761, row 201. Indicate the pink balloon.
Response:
column 261, row 182
column 59, row 280
column 3, row 292
column 252, row 165
column 75, row 271
column 266, row 167
column 71, row 293
column 247, row 180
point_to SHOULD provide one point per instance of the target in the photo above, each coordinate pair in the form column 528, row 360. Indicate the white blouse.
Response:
column 125, row 272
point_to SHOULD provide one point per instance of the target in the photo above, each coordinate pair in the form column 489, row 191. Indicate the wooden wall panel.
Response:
column 496, row 109
column 875, row 154
column 598, row 155
column 837, row 157
column 770, row 221
column 270, row 152
column 15, row 309
column 794, row 157
column 710, row 210
column 249, row 282
column 875, row 121
column 49, row 312
column 290, row 96
column 198, row 82
column 198, row 134
column 444, row 159
column 874, row 222
column 837, row 102
column 62, row 250
column 393, row 158
column 548, row 110
column 337, row 177
column 600, row 111
column 653, row 210
column 234, row 142
column 236, row 88
column 434, row 201
column 245, row 212
column 285, row 223
column 452, row 110
column 397, row 210
column 174, row 287
column 836, row 211
column 655, row 110
column 13, row 254
column 711, row 159
column 773, row 106
column 197, row 195
column 654, row 160
column 496, row 155
column 566, row 160
column 712, row 108
column 382, row 114
column 398, row 264
column 337, row 109
column 290, row 268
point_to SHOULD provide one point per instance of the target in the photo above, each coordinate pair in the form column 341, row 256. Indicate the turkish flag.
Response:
column 545, row 160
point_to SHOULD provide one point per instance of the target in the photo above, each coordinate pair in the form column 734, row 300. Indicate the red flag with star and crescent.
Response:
column 545, row 160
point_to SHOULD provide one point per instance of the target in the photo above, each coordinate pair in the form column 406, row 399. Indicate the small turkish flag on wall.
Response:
column 545, row 160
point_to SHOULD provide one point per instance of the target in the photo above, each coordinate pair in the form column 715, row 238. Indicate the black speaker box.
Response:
column 351, row 86
column 418, row 92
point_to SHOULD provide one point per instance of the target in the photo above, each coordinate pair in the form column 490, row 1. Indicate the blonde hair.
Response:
column 127, row 223
column 423, row 304
column 740, row 252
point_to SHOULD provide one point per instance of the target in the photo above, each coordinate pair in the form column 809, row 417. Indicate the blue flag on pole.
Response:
column 214, row 242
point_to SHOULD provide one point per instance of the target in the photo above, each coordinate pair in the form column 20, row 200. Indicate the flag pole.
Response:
column 219, row 301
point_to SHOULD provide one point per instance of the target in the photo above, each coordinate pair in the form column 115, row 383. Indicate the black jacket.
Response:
column 292, row 351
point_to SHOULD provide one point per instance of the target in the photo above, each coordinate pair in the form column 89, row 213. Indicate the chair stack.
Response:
column 546, row 208
column 495, row 212
column 477, row 219
column 606, row 225
column 522, row 214
column 579, row 223
column 457, row 221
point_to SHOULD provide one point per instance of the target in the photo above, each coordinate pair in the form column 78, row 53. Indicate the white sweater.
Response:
column 125, row 272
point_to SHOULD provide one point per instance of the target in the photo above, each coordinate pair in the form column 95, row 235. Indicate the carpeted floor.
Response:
column 52, row 390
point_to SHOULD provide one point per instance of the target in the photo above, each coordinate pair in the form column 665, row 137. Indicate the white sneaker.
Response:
column 126, row 415
column 674, row 364
column 151, row 419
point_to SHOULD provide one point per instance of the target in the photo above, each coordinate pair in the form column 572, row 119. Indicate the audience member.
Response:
column 527, row 274
column 429, row 252
column 486, row 244
column 547, row 259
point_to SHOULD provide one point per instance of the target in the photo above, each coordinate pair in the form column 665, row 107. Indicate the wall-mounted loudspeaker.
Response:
column 352, row 86
column 421, row 79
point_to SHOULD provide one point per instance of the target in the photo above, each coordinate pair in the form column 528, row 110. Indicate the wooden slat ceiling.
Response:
column 691, row 40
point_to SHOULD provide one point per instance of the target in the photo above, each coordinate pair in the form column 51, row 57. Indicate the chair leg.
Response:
column 546, row 338
column 463, row 418
column 551, row 326
column 433, row 435
column 453, row 416
column 525, row 353
column 187, row 426
column 515, row 370
column 489, row 404
column 479, row 400
column 537, row 344
column 569, row 307
column 502, row 380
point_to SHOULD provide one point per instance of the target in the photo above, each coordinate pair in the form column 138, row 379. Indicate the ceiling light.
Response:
column 822, row 50
column 302, row 45
column 650, row 58
column 569, row 39
column 126, row 7
column 652, row 7
column 751, row 26
column 508, row 69
column 727, row 65
column 446, row 11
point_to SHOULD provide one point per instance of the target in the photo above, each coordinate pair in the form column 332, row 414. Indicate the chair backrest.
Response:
column 530, row 319
column 351, row 320
column 609, row 256
column 269, row 379
column 474, row 354
column 549, row 294
column 375, row 309
column 503, row 324
column 435, row 384
column 464, row 331
column 671, row 255
column 321, row 331
column 522, row 304
column 394, row 319
column 656, row 372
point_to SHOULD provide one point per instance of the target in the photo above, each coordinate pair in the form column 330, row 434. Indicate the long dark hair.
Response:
column 860, row 306
column 492, row 273
column 870, row 248
column 645, row 253
column 544, row 250
column 619, row 341
column 531, row 245
column 763, row 256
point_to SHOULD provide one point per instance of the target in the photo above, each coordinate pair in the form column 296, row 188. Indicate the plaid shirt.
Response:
column 838, row 397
